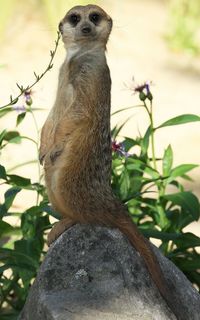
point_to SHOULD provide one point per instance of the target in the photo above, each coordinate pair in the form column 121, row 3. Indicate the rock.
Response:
column 94, row 273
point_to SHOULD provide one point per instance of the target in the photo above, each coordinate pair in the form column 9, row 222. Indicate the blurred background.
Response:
column 156, row 40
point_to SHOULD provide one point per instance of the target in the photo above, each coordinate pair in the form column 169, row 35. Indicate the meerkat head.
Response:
column 85, row 24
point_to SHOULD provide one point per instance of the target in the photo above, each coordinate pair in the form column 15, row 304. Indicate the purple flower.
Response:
column 139, row 88
column 28, row 98
column 120, row 149
column 147, row 87
column 144, row 86
column 19, row 109
column 144, row 91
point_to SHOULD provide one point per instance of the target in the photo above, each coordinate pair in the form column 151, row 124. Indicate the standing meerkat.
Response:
column 76, row 140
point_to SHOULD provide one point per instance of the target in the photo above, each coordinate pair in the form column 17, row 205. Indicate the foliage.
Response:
column 159, row 213
column 136, row 180
column 183, row 26
column 22, row 246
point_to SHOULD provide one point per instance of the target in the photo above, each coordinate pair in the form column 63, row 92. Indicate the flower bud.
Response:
column 29, row 101
column 142, row 96
column 149, row 96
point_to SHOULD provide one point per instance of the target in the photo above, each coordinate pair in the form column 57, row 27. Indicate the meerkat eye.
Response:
column 94, row 17
column 74, row 19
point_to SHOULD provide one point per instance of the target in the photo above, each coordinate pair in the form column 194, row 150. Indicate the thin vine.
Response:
column 23, row 89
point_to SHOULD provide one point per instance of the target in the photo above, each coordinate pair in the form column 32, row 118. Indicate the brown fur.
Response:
column 76, row 141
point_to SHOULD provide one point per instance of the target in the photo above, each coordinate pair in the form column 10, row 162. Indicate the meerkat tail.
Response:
column 142, row 245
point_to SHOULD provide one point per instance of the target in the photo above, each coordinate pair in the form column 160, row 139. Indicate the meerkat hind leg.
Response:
column 58, row 229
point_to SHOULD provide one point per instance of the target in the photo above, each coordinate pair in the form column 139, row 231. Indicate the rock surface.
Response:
column 94, row 273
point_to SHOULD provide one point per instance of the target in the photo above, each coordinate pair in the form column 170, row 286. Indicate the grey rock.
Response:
column 94, row 273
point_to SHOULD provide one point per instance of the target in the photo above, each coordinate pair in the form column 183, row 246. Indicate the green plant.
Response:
column 136, row 180
column 22, row 245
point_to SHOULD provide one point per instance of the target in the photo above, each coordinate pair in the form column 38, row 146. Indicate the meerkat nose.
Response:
column 86, row 29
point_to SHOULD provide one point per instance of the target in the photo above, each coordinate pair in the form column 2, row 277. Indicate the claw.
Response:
column 41, row 159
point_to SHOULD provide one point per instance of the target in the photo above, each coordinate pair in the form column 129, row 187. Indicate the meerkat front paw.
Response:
column 43, row 152
column 41, row 158
column 58, row 229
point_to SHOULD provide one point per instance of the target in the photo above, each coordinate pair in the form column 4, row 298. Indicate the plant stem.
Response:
column 20, row 165
column 150, row 113
column 38, row 77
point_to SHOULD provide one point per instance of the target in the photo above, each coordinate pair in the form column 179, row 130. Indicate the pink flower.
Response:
column 120, row 149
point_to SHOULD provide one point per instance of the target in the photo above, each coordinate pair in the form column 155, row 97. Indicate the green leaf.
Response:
column 180, row 171
column 18, row 180
column 34, row 210
column 31, row 247
column 18, row 259
column 152, row 172
column 33, row 222
column 12, row 137
column 188, row 265
column 145, row 141
column 128, row 143
column 135, row 164
column 167, row 161
column 187, row 240
column 5, row 228
column 164, row 236
column 161, row 217
column 3, row 210
column 187, row 200
column 13, row 315
column 186, row 177
column 51, row 212
column 3, row 173
column 127, row 108
column 10, row 196
column 20, row 118
column 2, row 135
column 116, row 130
column 124, row 184
column 184, row 118
column 194, row 277
column 4, row 111
column 117, row 163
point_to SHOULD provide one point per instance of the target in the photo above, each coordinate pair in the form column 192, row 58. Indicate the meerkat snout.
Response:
column 86, row 29
column 85, row 24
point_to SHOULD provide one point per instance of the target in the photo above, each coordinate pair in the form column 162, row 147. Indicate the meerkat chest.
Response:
column 65, row 94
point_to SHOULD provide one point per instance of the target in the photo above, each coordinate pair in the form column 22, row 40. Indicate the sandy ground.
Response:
column 136, row 49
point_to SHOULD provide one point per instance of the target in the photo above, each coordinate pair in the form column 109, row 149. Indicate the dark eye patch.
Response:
column 95, row 17
column 74, row 19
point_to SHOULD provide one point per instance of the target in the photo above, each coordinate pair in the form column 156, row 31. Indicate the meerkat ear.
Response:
column 110, row 21
column 60, row 27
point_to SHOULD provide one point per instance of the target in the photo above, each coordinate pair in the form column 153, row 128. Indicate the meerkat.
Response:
column 76, row 139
